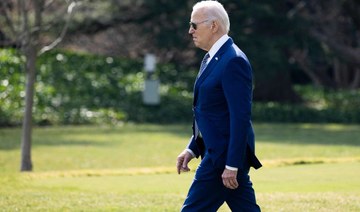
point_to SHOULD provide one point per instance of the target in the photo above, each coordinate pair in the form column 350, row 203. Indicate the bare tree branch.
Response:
column 347, row 53
column 48, row 4
column 317, row 75
column 70, row 10
column 4, row 8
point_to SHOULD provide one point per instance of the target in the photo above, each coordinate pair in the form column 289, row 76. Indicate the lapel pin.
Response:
column 216, row 58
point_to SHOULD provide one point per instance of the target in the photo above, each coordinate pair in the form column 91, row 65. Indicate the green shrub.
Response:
column 12, row 84
column 84, row 89
column 74, row 88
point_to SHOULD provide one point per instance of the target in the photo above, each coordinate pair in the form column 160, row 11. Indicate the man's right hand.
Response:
column 182, row 161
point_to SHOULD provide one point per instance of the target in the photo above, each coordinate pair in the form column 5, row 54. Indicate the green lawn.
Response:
column 307, row 167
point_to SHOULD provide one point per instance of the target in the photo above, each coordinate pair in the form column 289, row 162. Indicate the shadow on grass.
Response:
column 10, row 138
column 319, row 134
column 323, row 134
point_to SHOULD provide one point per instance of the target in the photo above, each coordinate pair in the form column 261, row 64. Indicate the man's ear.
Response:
column 214, row 26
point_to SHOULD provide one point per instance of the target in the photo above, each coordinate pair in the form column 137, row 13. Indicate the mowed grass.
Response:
column 307, row 167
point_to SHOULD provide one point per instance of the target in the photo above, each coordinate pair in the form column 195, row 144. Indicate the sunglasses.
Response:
column 195, row 25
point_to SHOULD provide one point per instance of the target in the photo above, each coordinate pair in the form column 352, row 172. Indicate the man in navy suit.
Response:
column 222, row 130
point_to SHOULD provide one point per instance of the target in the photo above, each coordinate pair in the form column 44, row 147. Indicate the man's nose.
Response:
column 191, row 30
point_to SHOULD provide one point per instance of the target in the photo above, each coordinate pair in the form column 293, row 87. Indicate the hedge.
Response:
column 73, row 88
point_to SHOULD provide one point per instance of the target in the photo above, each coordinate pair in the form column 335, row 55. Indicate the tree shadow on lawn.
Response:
column 86, row 135
column 321, row 134
column 10, row 145
column 12, row 139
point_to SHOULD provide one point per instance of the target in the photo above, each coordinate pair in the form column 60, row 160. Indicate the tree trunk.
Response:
column 301, row 57
column 26, row 162
column 356, row 82
column 277, row 88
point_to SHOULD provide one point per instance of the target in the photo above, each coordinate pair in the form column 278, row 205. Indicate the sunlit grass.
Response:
column 318, row 187
column 307, row 167
column 129, row 146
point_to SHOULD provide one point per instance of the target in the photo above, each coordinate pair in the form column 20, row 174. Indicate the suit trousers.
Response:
column 207, row 192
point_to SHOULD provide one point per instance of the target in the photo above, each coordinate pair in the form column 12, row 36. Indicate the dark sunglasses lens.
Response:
column 193, row 25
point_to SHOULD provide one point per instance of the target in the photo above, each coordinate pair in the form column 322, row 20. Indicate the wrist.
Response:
column 191, row 152
column 231, row 168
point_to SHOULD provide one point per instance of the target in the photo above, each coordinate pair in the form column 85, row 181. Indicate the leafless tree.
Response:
column 336, row 25
column 25, row 23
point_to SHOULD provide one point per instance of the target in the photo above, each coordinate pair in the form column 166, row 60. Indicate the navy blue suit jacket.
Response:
column 222, row 110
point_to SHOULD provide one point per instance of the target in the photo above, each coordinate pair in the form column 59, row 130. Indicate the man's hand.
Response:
column 182, row 161
column 229, row 179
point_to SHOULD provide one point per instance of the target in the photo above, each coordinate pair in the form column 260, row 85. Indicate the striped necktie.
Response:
column 203, row 64
column 202, row 68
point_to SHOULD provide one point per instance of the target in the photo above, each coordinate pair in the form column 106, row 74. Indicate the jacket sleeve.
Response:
column 196, row 146
column 237, row 87
column 193, row 146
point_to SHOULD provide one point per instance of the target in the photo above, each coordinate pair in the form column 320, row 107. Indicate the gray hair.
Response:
column 215, row 11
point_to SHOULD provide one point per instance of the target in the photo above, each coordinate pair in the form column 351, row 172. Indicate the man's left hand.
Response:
column 229, row 179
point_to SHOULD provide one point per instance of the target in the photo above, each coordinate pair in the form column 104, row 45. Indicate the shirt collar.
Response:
column 217, row 45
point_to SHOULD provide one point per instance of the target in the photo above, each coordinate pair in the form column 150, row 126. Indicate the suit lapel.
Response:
column 210, row 66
